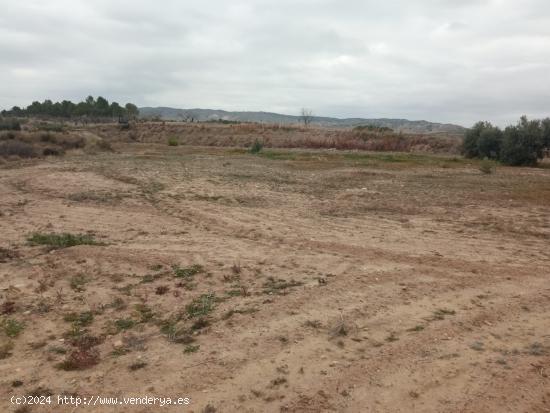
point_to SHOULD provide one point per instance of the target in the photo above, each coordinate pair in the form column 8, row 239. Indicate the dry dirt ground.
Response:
column 286, row 281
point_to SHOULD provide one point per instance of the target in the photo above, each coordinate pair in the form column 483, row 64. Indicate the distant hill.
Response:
column 411, row 126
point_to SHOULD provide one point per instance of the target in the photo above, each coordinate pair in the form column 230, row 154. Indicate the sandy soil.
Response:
column 326, row 282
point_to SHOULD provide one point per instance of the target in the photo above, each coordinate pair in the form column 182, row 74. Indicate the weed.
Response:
column 145, row 312
column 537, row 349
column 187, row 272
column 341, row 328
column 392, row 337
column 79, row 359
column 200, row 324
column 7, row 255
column 124, row 324
column 81, row 320
column 418, row 327
column 12, row 328
column 137, row 365
column 7, row 307
column 57, row 350
column 6, row 350
column 236, row 268
column 440, row 314
column 313, row 324
column 191, row 348
column 230, row 313
column 173, row 142
column 162, row 289
column 201, row 306
column 256, row 147
column 63, row 240
column 175, row 334
column 478, row 346
column 277, row 286
column 78, row 282
column 118, row 304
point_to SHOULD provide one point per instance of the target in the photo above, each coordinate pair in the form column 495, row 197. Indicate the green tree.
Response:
column 523, row 144
column 132, row 110
column 470, row 144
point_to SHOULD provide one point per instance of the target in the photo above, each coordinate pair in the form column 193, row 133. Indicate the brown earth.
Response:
column 326, row 281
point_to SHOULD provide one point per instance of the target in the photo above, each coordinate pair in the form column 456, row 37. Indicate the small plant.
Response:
column 145, row 313
column 124, row 324
column 416, row 328
column 173, row 142
column 137, row 365
column 162, row 289
column 256, row 147
column 5, row 350
column 200, row 324
column 187, row 272
column 12, row 328
column 78, row 282
column 191, row 348
column 63, row 240
column 201, row 306
column 392, row 337
column 278, row 286
column 81, row 320
column 440, row 314
column 7, row 307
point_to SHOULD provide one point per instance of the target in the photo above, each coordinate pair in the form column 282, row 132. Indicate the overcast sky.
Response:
column 441, row 60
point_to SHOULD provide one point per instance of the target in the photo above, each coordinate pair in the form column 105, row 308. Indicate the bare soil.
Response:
column 289, row 281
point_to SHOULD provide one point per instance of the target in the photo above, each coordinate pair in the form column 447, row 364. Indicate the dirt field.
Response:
column 288, row 281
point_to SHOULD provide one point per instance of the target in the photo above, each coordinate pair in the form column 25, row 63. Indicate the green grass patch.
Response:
column 191, row 348
column 187, row 272
column 80, row 319
column 63, row 240
column 12, row 328
column 124, row 324
column 201, row 306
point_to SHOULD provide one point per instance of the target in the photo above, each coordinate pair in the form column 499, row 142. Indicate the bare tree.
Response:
column 306, row 116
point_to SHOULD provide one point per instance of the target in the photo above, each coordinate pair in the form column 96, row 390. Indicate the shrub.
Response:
column 173, row 142
column 50, row 127
column 53, row 152
column 17, row 148
column 256, row 147
column 10, row 124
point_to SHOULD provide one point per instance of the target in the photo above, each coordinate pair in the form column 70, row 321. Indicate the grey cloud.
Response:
column 439, row 60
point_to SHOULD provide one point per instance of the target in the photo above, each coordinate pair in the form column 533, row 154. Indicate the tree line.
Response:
column 525, row 143
column 90, row 107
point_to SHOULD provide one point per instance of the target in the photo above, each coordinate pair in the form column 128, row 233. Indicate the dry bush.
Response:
column 17, row 148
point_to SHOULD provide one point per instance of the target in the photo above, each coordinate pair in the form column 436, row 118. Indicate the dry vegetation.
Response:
column 280, row 136
column 290, row 280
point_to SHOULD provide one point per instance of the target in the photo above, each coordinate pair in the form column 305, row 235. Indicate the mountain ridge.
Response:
column 197, row 114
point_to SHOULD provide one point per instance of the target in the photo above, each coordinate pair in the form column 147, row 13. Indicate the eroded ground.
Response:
column 290, row 281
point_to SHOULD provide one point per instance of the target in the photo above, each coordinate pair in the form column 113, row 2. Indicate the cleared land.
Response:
column 288, row 281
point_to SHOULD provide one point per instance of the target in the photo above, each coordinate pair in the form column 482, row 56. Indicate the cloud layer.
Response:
column 440, row 60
